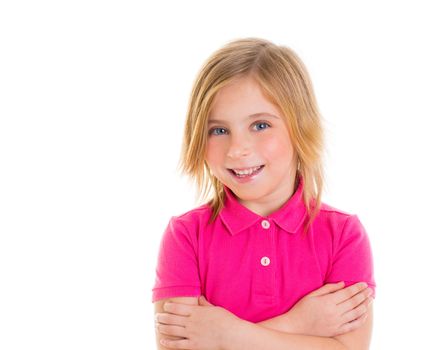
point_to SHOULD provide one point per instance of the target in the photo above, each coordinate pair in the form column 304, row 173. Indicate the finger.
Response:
column 177, row 344
column 170, row 319
column 357, row 311
column 203, row 301
column 175, row 331
column 351, row 326
column 328, row 288
column 347, row 293
column 355, row 301
column 178, row 309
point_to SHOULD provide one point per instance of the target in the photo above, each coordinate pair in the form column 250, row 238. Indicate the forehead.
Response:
column 241, row 97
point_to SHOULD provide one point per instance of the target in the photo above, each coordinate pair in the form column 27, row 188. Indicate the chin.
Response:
column 248, row 195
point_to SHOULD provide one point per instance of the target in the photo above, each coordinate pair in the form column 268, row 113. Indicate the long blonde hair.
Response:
column 283, row 78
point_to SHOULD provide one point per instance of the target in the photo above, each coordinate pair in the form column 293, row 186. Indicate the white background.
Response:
column 93, row 96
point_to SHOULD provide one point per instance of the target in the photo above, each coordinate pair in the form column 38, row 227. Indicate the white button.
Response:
column 265, row 261
column 265, row 224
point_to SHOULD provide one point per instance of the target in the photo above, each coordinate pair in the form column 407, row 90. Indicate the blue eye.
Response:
column 211, row 131
column 263, row 123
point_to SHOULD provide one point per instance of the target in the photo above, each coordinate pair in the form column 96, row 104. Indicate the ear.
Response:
column 203, row 302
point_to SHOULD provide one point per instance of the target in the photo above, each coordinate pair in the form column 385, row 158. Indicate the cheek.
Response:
column 213, row 153
column 277, row 148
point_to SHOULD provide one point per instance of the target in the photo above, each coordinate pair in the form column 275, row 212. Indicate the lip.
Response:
column 248, row 167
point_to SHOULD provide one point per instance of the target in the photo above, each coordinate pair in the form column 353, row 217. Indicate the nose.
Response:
column 239, row 147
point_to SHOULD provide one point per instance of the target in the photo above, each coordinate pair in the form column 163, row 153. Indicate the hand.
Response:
column 203, row 327
column 331, row 310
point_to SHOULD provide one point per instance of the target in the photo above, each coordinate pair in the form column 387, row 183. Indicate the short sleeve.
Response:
column 177, row 265
column 352, row 260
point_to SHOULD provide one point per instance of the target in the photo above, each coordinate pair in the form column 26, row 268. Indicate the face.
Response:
column 246, row 131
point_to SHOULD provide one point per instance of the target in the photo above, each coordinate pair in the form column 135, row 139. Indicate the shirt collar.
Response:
column 289, row 216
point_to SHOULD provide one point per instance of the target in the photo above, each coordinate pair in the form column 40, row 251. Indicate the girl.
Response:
column 258, row 266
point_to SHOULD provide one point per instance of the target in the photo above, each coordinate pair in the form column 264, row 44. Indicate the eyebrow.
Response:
column 210, row 121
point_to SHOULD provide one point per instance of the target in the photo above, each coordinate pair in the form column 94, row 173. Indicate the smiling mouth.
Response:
column 246, row 172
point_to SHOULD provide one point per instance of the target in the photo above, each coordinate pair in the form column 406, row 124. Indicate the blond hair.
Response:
column 283, row 78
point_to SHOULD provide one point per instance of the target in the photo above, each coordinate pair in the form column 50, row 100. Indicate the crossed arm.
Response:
column 276, row 333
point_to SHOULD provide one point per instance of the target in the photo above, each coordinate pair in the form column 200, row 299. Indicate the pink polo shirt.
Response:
column 259, row 267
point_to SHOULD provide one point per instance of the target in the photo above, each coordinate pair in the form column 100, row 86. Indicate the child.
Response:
column 265, row 254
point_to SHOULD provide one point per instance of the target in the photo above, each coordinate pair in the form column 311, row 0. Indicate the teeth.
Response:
column 247, row 171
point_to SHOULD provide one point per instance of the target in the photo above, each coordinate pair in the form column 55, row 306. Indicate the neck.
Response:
column 273, row 201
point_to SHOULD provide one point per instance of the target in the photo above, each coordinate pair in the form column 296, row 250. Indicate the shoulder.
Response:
column 197, row 212
column 189, row 223
column 340, row 223
column 334, row 216
column 182, row 235
column 193, row 216
column 326, row 208
column 342, row 229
